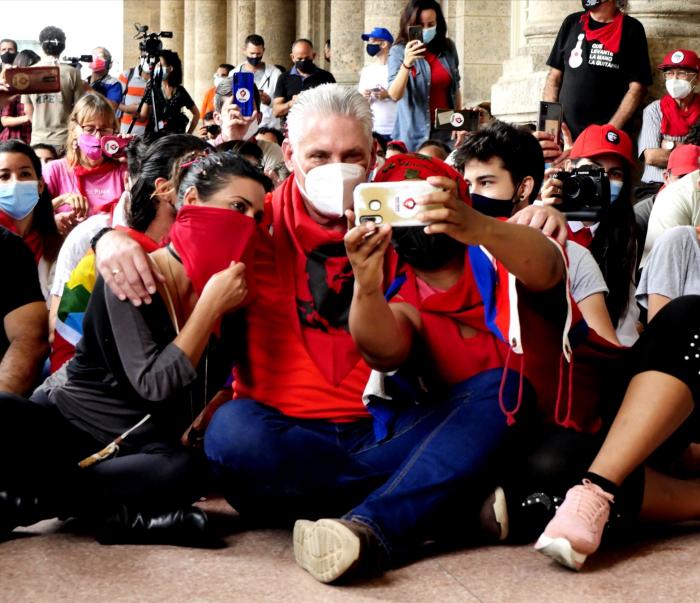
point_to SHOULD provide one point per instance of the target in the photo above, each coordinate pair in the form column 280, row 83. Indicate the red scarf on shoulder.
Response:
column 676, row 121
column 32, row 239
column 609, row 35
column 81, row 173
column 315, row 271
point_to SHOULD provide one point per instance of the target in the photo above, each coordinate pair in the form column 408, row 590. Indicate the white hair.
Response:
column 328, row 99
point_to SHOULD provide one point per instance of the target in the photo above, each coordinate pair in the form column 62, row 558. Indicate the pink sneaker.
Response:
column 576, row 529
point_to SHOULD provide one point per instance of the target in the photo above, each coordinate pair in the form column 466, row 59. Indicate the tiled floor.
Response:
column 46, row 563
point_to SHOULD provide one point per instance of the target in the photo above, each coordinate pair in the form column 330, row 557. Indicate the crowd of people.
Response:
column 191, row 304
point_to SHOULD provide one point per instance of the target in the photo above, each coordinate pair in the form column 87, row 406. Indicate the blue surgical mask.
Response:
column 429, row 34
column 615, row 188
column 18, row 199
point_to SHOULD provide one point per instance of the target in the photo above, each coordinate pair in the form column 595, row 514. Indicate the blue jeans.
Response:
column 275, row 466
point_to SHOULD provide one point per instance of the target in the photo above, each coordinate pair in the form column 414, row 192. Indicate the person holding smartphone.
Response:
column 423, row 73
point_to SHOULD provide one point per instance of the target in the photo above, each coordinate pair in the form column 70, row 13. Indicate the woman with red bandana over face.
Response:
column 116, row 445
column 85, row 181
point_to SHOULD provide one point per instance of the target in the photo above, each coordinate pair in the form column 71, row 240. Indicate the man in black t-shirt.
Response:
column 599, row 67
column 304, row 75
column 24, row 328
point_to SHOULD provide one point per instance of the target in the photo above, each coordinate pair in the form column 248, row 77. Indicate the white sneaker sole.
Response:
column 325, row 548
column 500, row 512
column 561, row 551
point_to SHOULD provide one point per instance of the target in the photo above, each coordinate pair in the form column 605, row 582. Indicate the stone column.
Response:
column 275, row 21
column 145, row 12
column 210, row 43
column 313, row 21
column 382, row 13
column 188, row 45
column 240, row 23
column 172, row 18
column 515, row 96
column 347, row 23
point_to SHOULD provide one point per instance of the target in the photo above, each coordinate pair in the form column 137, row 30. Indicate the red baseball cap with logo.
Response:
column 681, row 58
column 685, row 158
column 598, row 140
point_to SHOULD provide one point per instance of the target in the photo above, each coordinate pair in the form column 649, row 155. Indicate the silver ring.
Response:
column 115, row 271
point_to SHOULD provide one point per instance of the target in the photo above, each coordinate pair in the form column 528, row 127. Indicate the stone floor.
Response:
column 48, row 563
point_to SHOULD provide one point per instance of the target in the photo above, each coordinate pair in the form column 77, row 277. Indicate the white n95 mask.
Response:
column 329, row 187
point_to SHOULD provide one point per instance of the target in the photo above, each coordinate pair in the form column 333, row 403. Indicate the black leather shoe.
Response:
column 188, row 526
column 19, row 510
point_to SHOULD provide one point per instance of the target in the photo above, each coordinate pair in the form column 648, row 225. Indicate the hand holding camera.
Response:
column 582, row 194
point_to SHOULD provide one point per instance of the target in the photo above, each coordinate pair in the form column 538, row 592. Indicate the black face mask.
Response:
column 305, row 65
column 424, row 251
column 254, row 61
column 8, row 57
column 496, row 208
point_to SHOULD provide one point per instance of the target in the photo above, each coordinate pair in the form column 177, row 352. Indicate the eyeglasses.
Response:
column 92, row 130
column 679, row 74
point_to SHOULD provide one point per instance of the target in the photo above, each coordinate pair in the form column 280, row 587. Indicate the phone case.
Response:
column 415, row 32
column 449, row 119
column 550, row 118
column 32, row 80
column 243, row 83
column 114, row 146
column 391, row 202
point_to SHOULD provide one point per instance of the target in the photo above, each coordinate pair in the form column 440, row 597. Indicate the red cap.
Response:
column 681, row 58
column 603, row 140
column 413, row 166
column 685, row 158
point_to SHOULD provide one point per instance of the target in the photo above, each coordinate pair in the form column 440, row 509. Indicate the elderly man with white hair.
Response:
column 297, row 441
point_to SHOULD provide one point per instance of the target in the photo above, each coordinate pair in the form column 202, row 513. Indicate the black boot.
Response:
column 19, row 510
column 188, row 526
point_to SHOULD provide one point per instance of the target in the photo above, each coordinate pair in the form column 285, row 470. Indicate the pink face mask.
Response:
column 90, row 146
column 98, row 64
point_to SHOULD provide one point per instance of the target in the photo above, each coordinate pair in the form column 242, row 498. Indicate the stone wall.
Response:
column 502, row 44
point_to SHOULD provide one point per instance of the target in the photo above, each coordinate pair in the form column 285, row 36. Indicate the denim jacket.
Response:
column 413, row 122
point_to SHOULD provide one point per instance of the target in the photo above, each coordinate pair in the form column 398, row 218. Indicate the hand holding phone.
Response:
column 550, row 118
column 394, row 203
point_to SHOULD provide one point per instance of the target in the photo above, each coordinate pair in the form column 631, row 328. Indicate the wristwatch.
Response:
column 668, row 144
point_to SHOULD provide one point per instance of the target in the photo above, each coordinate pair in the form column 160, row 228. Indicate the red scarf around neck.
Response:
column 609, row 35
column 316, row 272
column 82, row 173
column 676, row 121
column 32, row 239
column 146, row 242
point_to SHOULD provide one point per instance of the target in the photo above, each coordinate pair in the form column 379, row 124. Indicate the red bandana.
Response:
column 81, row 173
column 314, row 269
column 208, row 239
column 676, row 121
column 146, row 242
column 609, row 35
column 32, row 239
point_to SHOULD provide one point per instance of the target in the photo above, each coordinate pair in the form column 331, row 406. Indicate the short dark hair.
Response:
column 381, row 141
column 304, row 40
column 516, row 147
column 433, row 142
column 255, row 40
column 42, row 146
column 242, row 147
column 229, row 68
column 278, row 134
column 52, row 40
column 9, row 40
column 693, row 136
column 26, row 58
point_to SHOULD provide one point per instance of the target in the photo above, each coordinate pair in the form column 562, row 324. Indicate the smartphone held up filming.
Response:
column 243, row 92
column 550, row 118
column 449, row 119
column 392, row 203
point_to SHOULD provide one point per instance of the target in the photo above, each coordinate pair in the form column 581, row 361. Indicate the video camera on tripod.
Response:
column 150, row 48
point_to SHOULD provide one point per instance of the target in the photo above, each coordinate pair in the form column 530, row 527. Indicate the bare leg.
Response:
column 669, row 499
column 655, row 405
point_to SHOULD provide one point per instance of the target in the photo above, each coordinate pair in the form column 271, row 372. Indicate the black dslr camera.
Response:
column 150, row 44
column 585, row 193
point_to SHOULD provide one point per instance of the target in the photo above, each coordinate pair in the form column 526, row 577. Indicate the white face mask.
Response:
column 217, row 80
column 329, row 187
column 678, row 88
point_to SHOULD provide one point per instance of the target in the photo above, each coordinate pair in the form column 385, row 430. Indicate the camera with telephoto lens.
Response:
column 585, row 193
column 76, row 61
